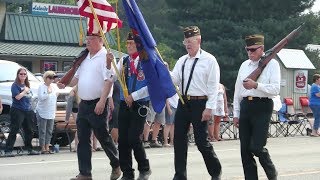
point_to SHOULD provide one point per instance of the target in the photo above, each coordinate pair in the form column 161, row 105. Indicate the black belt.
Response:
column 188, row 98
column 90, row 101
column 251, row 98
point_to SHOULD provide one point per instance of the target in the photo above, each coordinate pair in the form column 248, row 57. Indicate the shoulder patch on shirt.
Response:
column 140, row 76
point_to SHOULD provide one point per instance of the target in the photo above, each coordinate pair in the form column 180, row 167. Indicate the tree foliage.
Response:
column 225, row 23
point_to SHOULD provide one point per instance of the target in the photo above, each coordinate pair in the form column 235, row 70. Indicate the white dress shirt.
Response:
column 205, row 78
column 268, row 83
column 47, row 103
column 92, row 75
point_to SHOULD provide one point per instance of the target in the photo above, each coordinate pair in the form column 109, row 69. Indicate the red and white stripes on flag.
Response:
column 107, row 17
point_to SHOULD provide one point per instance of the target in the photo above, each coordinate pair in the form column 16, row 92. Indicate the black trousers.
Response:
column 254, row 122
column 131, row 126
column 186, row 114
column 20, row 119
column 86, row 121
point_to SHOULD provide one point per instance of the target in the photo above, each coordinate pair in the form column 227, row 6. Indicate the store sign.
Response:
column 54, row 9
column 300, row 81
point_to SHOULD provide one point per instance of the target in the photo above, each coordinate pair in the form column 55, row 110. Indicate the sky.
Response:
column 316, row 6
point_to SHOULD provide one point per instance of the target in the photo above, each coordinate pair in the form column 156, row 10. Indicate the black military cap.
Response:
column 191, row 31
column 255, row 39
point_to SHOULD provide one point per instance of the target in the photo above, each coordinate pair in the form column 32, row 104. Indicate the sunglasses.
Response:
column 22, row 74
column 51, row 77
column 252, row 49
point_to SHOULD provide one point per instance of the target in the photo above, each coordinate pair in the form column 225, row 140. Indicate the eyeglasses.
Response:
column 252, row 49
column 22, row 74
column 50, row 77
column 189, row 41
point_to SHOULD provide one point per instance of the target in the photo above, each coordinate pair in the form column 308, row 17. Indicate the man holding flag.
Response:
column 133, row 111
column 92, row 72
column 158, row 79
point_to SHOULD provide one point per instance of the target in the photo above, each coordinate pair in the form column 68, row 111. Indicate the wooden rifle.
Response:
column 66, row 79
column 271, row 53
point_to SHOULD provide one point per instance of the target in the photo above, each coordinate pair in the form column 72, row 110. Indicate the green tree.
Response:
column 225, row 23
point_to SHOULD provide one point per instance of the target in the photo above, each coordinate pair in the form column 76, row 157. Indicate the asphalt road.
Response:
column 296, row 158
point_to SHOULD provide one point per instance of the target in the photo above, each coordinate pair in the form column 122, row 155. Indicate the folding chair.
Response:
column 227, row 128
column 60, row 126
column 275, row 127
column 296, row 122
column 306, row 110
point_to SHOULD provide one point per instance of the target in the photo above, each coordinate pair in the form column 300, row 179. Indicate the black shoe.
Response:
column 115, row 174
column 33, row 152
column 144, row 175
column 8, row 154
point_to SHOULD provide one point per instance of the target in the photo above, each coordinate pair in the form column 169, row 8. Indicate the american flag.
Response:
column 107, row 17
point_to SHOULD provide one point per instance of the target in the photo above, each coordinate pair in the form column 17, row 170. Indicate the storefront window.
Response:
column 50, row 65
column 66, row 65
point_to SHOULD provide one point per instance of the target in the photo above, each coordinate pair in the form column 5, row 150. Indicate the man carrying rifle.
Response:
column 253, row 107
column 94, row 86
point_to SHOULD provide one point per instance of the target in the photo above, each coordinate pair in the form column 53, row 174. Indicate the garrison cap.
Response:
column 93, row 34
column 130, row 36
column 191, row 31
column 255, row 39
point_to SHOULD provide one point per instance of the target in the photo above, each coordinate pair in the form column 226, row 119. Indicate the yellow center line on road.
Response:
column 75, row 160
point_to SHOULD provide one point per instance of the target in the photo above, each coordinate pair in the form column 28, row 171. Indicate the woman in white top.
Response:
column 46, row 111
column 220, row 112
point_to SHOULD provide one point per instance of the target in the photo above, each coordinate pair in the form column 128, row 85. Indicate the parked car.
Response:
column 7, row 77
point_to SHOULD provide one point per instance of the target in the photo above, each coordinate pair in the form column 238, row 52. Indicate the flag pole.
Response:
column 180, row 97
column 105, row 42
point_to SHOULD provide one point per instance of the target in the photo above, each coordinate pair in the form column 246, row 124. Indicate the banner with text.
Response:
column 54, row 9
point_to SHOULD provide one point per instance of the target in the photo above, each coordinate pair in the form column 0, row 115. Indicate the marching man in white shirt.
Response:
column 197, row 74
column 253, row 107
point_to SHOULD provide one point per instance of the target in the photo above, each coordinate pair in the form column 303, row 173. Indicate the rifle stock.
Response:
column 66, row 79
column 271, row 53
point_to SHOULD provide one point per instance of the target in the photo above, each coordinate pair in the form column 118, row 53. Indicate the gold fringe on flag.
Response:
column 81, row 34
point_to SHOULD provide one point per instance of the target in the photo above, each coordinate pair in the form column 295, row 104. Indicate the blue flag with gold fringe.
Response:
column 159, row 81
